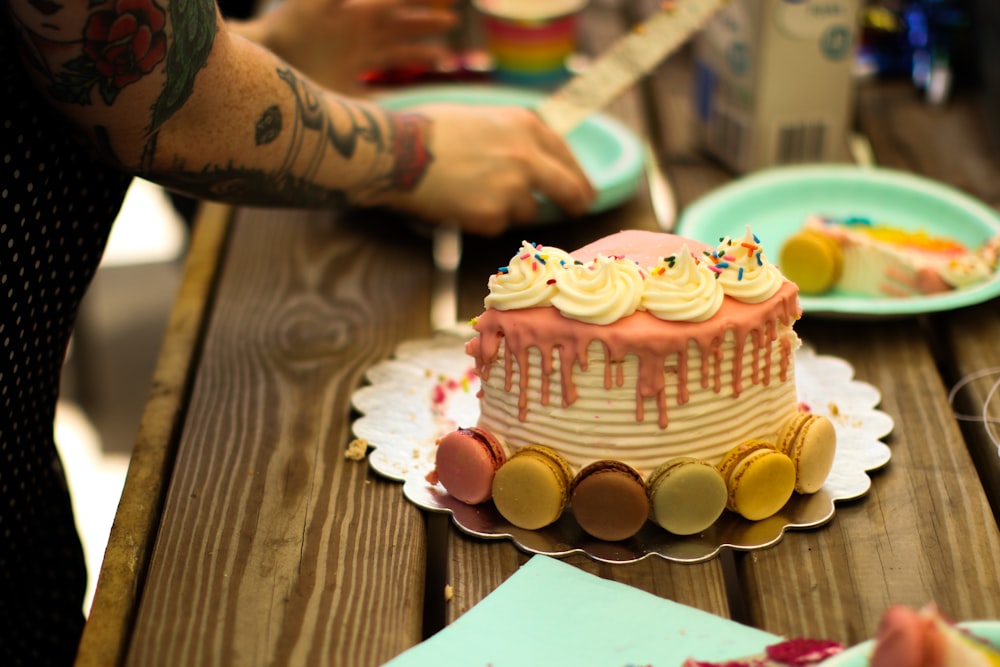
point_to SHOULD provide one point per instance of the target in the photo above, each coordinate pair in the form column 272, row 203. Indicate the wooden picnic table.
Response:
column 245, row 537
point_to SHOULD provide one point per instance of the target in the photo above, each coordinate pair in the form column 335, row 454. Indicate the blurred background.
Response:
column 112, row 356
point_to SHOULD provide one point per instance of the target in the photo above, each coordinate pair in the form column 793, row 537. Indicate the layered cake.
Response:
column 857, row 256
column 635, row 354
column 639, row 347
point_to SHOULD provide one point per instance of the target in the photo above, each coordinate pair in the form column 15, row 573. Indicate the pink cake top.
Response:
column 645, row 248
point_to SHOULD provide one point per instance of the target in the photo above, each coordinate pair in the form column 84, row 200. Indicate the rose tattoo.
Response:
column 120, row 45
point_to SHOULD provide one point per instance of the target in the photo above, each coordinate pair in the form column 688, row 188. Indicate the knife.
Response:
column 634, row 55
column 661, row 194
column 447, row 250
column 617, row 69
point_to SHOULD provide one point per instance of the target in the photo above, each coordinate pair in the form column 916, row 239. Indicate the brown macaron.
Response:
column 609, row 501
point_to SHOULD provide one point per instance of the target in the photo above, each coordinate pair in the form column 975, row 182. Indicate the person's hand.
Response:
column 487, row 165
column 335, row 41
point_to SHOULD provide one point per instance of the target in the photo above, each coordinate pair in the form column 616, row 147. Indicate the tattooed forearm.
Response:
column 410, row 134
column 88, row 57
column 252, row 187
column 313, row 115
column 406, row 150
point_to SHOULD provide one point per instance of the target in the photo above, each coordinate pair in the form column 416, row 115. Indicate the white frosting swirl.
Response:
column 744, row 270
column 601, row 292
column 529, row 279
column 681, row 289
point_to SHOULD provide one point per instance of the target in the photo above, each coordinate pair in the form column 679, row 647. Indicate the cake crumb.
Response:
column 449, row 592
column 834, row 409
column 357, row 449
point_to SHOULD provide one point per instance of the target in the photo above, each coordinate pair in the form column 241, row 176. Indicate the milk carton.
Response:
column 773, row 82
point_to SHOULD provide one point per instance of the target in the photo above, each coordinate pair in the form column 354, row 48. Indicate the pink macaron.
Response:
column 466, row 462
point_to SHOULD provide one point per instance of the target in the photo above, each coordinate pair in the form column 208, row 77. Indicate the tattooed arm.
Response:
column 162, row 88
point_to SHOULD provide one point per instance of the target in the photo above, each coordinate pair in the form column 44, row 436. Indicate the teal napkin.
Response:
column 549, row 613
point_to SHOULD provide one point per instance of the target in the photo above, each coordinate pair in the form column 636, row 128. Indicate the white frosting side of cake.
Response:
column 603, row 422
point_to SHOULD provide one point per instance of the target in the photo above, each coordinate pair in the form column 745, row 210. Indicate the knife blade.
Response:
column 447, row 252
column 661, row 194
column 634, row 55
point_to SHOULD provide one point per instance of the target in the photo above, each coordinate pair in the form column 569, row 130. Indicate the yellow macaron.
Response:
column 759, row 479
column 812, row 261
column 810, row 440
column 532, row 488
column 686, row 495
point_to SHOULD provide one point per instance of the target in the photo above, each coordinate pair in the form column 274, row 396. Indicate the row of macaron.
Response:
column 611, row 500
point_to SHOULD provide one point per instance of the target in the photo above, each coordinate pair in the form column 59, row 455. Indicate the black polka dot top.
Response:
column 56, row 210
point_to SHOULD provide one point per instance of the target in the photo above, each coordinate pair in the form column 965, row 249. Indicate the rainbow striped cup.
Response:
column 530, row 40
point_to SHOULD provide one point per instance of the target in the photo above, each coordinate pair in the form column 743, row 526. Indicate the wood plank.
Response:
column 275, row 549
column 923, row 532
column 972, row 362
column 130, row 543
column 950, row 144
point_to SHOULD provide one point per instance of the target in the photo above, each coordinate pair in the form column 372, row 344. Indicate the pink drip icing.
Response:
column 566, row 376
column 653, row 341
column 683, row 395
column 738, row 368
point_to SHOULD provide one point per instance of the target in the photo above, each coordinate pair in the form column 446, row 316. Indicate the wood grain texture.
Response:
column 973, row 361
column 121, row 579
column 274, row 548
column 922, row 533
column 950, row 144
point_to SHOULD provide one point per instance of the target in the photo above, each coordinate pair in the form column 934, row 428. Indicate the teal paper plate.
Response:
column 858, row 656
column 609, row 153
column 775, row 203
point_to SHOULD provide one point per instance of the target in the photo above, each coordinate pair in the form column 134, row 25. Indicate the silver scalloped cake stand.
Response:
column 428, row 389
